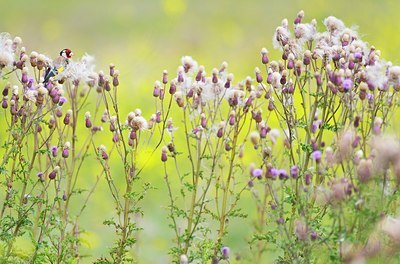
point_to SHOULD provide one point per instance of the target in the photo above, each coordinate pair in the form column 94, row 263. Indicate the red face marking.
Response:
column 66, row 53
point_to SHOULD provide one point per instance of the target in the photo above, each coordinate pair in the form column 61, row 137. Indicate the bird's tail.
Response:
column 50, row 72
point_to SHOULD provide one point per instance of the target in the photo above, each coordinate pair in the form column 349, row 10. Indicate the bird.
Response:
column 59, row 65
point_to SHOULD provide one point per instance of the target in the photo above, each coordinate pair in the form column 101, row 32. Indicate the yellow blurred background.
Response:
column 142, row 38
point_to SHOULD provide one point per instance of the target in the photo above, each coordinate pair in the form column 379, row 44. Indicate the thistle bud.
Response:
column 179, row 99
column 24, row 76
column 264, row 56
column 54, row 172
column 255, row 138
column 164, row 156
column 171, row 147
column 4, row 102
column 132, row 135
column 113, row 120
column 115, row 137
column 199, row 73
column 180, row 74
column 228, row 146
column 271, row 105
column 112, row 70
column 67, row 118
column 172, row 87
column 65, row 151
column 290, row 63
column 225, row 252
column 115, row 78
column 307, row 57
column 259, row 78
column 232, row 118
column 52, row 122
column 214, row 75
column 203, row 120
column 88, row 123
column 33, row 59
column 161, row 93
column 229, row 79
column 156, row 89
column 313, row 235
column 165, row 77
column 58, row 112
column 299, row 17
column 54, row 151
column 294, row 171
column 41, row 62
column 102, row 152
column 101, row 81
column 107, row 85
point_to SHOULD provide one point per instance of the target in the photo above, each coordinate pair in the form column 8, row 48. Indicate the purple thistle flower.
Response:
column 294, row 171
column 274, row 173
column 40, row 175
column 347, row 84
column 282, row 174
column 257, row 173
column 314, row 235
column 250, row 183
column 62, row 100
column 316, row 155
column 54, row 151
column 225, row 252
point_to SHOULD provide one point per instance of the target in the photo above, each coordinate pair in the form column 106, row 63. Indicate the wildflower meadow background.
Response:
column 200, row 131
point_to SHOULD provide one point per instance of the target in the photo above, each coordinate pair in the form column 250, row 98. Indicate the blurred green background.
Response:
column 142, row 38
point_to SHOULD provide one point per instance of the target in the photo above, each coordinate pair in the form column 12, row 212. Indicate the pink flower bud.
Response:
column 164, row 156
column 172, row 88
column 4, row 103
column 220, row 132
column 88, row 123
column 65, row 153
column 165, row 77
column 54, row 151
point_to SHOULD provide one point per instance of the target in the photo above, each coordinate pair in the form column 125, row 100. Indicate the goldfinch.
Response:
column 58, row 65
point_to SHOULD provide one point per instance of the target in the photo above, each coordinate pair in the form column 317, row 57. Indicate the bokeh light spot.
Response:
column 51, row 29
column 174, row 7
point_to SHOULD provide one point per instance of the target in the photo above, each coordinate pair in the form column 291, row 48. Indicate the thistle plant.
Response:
column 127, row 140
column 41, row 156
column 49, row 137
column 308, row 136
column 322, row 188
column 212, row 117
column 324, row 172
